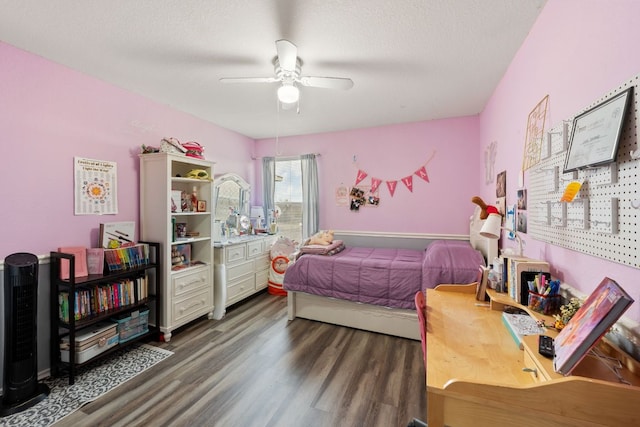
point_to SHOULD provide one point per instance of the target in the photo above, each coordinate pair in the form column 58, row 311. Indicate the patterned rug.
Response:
column 92, row 381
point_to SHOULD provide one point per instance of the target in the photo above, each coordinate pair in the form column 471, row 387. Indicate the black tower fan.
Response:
column 21, row 389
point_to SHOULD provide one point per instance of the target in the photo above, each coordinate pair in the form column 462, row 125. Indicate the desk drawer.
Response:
column 190, row 281
column 235, row 253
column 530, row 362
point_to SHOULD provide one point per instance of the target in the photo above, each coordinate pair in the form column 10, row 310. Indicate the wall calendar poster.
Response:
column 95, row 187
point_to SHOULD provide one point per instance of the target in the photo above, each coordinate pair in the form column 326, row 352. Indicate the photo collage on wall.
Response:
column 522, row 211
column 515, row 216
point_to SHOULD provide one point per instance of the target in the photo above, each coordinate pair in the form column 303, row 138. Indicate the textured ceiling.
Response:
column 410, row 60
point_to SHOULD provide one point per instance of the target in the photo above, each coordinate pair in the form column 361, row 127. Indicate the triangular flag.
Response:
column 422, row 173
column 408, row 181
column 375, row 183
column 391, row 185
column 361, row 175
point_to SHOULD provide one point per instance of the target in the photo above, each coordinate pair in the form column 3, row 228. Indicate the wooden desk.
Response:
column 475, row 374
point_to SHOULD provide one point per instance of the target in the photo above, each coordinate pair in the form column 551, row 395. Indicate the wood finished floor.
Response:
column 255, row 368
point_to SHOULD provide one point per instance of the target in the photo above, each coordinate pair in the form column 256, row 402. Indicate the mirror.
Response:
column 232, row 196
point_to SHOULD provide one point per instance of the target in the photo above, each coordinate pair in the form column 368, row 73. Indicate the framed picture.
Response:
column 202, row 205
column 596, row 133
column 501, row 184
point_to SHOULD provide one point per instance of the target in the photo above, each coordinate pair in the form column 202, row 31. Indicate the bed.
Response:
column 339, row 288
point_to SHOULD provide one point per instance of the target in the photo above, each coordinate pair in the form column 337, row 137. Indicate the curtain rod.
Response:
column 285, row 157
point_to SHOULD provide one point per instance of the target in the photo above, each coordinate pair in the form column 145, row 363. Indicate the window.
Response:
column 288, row 198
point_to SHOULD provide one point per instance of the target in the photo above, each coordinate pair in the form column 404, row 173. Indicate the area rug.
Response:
column 92, row 381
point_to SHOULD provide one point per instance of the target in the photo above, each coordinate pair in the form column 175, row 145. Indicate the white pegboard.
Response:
column 602, row 220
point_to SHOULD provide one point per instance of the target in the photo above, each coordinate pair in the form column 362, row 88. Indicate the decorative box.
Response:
column 90, row 342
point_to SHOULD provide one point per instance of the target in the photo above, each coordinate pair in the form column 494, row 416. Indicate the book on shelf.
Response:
column 117, row 234
column 103, row 298
column 95, row 260
column 595, row 317
column 80, row 254
column 483, row 278
column 180, row 256
column 127, row 257
column 520, row 289
column 521, row 324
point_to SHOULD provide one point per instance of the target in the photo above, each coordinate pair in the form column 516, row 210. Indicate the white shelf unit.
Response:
column 188, row 291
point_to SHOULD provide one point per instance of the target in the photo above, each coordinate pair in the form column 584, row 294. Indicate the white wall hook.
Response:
column 635, row 154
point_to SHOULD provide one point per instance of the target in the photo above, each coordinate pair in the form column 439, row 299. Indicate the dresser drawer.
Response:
column 192, row 306
column 190, row 281
column 240, row 288
column 254, row 249
column 235, row 253
column 266, row 244
column 238, row 271
column 262, row 279
column 263, row 263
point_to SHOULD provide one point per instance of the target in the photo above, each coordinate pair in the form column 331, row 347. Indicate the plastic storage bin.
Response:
column 132, row 324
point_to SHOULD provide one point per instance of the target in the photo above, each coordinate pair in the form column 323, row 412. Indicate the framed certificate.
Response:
column 596, row 134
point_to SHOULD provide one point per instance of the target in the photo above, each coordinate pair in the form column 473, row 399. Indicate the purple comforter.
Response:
column 379, row 276
column 383, row 276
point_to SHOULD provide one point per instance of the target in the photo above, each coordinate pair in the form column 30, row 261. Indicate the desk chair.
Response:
column 421, row 307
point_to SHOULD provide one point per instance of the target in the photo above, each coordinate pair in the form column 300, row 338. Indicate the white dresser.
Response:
column 241, row 268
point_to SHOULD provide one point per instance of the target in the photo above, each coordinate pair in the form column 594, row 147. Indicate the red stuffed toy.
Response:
column 485, row 209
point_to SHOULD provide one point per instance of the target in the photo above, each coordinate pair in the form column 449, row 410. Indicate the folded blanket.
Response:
column 331, row 249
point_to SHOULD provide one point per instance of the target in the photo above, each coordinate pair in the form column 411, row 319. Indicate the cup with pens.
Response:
column 544, row 295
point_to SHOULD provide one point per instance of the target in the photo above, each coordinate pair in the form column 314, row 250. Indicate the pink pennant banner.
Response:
column 408, row 181
column 361, row 175
column 391, row 185
column 375, row 183
column 422, row 173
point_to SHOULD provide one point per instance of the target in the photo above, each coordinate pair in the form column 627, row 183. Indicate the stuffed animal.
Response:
column 485, row 209
column 323, row 237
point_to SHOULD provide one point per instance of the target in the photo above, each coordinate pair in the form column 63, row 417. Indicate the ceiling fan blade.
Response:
column 249, row 79
column 287, row 54
column 327, row 82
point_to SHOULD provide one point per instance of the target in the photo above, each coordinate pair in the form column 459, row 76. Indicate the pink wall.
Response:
column 391, row 153
column 48, row 115
column 577, row 51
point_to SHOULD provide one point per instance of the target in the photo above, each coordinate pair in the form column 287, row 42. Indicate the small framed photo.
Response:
column 202, row 205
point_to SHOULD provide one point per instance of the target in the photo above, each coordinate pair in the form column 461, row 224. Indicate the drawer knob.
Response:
column 534, row 371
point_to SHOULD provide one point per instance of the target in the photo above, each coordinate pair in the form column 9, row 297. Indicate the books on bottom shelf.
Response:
column 102, row 298
column 521, row 324
column 597, row 314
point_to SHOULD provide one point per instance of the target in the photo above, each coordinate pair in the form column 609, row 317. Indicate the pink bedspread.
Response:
column 383, row 276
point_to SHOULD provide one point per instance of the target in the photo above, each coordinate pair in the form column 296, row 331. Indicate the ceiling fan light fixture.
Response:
column 288, row 93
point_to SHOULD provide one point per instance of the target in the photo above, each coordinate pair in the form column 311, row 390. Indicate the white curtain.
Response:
column 268, row 187
column 310, row 211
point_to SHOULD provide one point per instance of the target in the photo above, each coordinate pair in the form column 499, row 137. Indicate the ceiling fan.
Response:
column 288, row 69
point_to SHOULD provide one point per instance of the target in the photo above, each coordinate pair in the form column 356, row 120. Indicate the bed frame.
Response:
column 390, row 321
